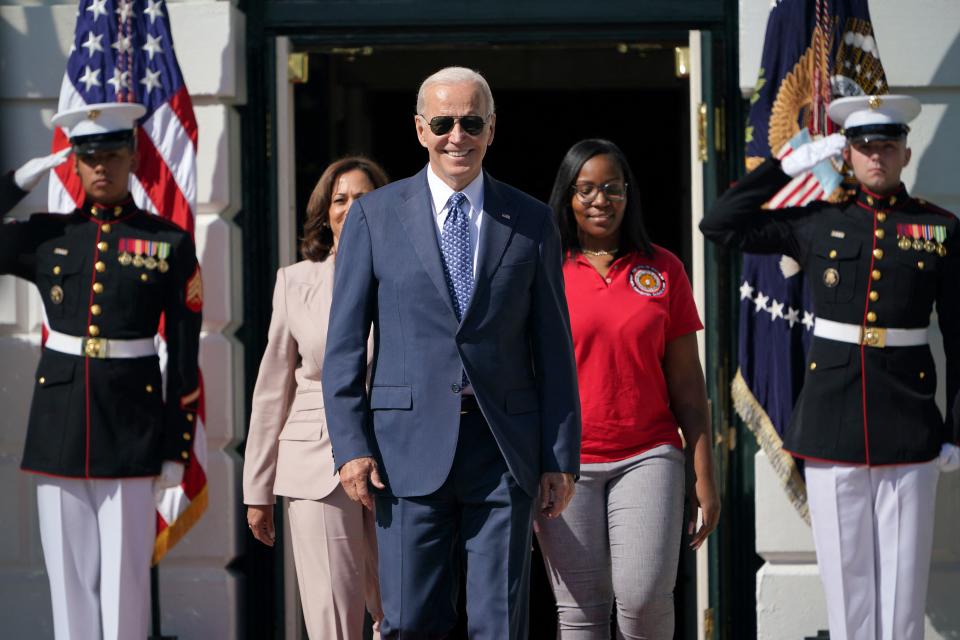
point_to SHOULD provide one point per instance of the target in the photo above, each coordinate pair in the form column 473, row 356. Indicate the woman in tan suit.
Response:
column 288, row 448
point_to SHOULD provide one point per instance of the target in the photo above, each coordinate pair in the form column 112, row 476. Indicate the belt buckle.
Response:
column 95, row 347
column 873, row 337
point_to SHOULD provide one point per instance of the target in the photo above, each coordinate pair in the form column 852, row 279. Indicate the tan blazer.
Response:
column 288, row 448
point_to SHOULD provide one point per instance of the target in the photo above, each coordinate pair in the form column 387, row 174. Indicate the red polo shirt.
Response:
column 621, row 325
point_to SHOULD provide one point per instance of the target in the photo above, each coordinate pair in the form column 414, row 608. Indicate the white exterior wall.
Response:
column 200, row 598
column 919, row 43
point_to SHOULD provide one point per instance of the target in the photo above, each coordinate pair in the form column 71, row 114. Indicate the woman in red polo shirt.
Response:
column 634, row 326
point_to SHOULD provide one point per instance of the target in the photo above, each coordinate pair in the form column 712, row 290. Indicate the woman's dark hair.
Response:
column 633, row 235
column 317, row 234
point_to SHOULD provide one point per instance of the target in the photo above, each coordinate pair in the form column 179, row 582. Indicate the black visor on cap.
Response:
column 83, row 145
column 869, row 132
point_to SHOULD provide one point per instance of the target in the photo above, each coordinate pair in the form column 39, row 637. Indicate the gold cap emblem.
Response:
column 875, row 102
column 93, row 114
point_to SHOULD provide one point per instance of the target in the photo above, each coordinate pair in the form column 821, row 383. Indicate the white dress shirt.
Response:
column 440, row 194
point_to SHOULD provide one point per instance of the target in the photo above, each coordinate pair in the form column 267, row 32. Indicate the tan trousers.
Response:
column 335, row 551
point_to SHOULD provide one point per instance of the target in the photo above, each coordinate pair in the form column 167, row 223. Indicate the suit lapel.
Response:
column 416, row 216
column 495, row 234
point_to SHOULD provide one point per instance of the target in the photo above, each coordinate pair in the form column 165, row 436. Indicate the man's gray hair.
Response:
column 456, row 75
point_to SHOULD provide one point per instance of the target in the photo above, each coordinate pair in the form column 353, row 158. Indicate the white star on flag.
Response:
column 151, row 80
column 761, row 302
column 153, row 45
column 93, row 43
column 153, row 10
column 98, row 7
column 793, row 316
column 119, row 79
column 807, row 320
column 776, row 310
column 746, row 290
column 90, row 78
column 124, row 9
column 123, row 44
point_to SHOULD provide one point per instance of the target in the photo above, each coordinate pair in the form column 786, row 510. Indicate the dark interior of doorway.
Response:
column 548, row 96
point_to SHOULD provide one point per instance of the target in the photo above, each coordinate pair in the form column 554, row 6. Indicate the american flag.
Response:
column 123, row 52
column 813, row 50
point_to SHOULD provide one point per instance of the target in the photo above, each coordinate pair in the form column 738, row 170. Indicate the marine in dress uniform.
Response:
column 105, row 429
column 866, row 422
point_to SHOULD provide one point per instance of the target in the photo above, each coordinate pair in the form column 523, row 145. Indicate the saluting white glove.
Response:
column 808, row 156
column 171, row 475
column 29, row 175
column 949, row 459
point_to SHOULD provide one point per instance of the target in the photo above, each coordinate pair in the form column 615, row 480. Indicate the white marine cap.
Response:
column 866, row 118
column 99, row 126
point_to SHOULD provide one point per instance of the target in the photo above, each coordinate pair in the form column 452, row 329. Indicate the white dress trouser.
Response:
column 873, row 531
column 97, row 538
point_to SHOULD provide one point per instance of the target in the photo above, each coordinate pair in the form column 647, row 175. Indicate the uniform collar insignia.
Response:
column 870, row 200
column 106, row 213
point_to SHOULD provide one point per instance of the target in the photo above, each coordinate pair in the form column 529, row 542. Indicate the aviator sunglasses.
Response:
column 442, row 125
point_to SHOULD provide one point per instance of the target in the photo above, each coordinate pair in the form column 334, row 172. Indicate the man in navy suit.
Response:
column 473, row 417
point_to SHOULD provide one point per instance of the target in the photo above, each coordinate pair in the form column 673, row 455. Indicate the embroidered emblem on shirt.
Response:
column 647, row 281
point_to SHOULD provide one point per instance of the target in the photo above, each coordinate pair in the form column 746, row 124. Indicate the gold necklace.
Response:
column 601, row 252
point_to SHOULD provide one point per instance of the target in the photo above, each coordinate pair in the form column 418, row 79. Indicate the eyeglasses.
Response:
column 442, row 125
column 588, row 192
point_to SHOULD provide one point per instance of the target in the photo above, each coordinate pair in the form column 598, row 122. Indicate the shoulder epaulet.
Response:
column 929, row 207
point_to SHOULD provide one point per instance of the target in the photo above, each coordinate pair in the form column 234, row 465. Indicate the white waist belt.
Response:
column 870, row 336
column 100, row 347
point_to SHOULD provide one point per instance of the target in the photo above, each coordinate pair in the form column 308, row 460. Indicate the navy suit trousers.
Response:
column 480, row 521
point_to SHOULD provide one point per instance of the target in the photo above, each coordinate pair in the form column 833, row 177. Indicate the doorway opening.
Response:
column 548, row 97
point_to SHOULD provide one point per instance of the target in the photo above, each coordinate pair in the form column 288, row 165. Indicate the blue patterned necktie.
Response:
column 457, row 261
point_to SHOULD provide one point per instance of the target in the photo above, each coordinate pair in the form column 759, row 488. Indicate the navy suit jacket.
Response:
column 514, row 340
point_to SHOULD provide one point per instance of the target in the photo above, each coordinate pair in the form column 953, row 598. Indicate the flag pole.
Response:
column 155, row 632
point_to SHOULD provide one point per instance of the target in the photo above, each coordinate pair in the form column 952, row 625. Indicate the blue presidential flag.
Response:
column 814, row 50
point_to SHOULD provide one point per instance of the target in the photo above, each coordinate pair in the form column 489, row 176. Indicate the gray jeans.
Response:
column 618, row 542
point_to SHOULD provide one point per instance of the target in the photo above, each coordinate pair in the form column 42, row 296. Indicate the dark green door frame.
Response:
column 324, row 23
